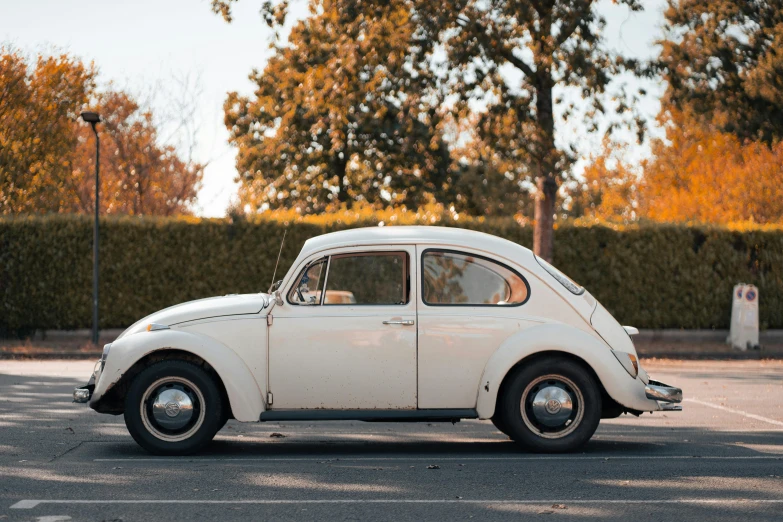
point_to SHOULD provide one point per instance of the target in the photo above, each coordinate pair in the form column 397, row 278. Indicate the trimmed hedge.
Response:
column 650, row 276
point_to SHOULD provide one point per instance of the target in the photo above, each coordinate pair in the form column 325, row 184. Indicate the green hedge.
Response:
column 650, row 277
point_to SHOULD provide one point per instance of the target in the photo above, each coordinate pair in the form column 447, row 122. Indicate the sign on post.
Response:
column 744, row 332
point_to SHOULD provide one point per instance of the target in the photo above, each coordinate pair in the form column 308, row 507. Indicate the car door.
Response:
column 345, row 336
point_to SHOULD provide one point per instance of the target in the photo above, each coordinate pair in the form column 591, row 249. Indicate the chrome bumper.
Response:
column 666, row 395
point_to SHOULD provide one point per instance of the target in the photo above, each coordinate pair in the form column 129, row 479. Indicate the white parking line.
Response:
column 777, row 456
column 738, row 412
column 30, row 504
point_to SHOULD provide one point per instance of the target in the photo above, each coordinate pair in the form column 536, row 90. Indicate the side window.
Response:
column 372, row 278
column 307, row 290
column 455, row 278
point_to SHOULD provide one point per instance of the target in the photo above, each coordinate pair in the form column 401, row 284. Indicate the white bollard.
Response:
column 736, row 306
column 744, row 333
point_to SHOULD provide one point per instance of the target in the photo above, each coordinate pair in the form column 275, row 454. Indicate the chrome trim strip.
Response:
column 154, row 327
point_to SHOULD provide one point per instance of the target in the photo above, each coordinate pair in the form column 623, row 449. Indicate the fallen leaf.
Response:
column 559, row 506
column 276, row 435
column 433, row 466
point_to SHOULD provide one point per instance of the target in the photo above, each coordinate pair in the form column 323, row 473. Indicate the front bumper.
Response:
column 667, row 396
column 83, row 394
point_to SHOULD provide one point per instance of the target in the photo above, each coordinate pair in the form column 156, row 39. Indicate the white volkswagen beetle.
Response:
column 383, row 324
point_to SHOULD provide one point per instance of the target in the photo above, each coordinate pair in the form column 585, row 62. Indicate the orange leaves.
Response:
column 697, row 175
column 712, row 177
column 47, row 156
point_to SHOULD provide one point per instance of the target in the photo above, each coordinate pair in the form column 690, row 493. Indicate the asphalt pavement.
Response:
column 719, row 459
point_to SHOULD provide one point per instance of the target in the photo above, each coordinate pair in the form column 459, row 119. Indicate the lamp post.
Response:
column 93, row 118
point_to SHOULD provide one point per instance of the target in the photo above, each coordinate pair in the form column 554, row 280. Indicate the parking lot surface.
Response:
column 719, row 459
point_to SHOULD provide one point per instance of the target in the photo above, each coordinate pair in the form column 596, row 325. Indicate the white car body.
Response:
column 345, row 358
column 286, row 359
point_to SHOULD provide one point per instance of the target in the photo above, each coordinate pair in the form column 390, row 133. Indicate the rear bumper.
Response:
column 667, row 396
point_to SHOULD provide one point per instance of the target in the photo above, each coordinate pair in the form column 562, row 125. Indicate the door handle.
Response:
column 404, row 322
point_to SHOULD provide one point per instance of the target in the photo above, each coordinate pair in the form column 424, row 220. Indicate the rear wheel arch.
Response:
column 609, row 406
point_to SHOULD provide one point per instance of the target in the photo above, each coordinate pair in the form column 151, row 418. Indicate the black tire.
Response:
column 497, row 420
column 562, row 387
column 195, row 391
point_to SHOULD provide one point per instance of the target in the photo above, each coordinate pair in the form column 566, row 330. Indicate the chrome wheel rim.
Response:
column 552, row 406
column 172, row 409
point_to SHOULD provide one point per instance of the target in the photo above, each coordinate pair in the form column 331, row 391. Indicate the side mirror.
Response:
column 277, row 284
column 278, row 297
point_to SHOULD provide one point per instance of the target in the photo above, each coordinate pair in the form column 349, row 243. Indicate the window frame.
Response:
column 479, row 256
column 406, row 276
column 298, row 278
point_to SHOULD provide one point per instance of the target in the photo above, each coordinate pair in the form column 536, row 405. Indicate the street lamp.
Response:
column 93, row 118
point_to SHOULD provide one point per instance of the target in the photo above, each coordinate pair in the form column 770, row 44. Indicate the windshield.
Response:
column 561, row 277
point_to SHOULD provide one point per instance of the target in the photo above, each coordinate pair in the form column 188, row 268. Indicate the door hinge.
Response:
column 269, row 320
column 269, row 399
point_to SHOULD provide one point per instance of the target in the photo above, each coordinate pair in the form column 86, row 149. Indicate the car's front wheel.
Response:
column 173, row 408
column 551, row 405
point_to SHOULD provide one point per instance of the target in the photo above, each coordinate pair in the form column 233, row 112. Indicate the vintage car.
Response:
column 383, row 324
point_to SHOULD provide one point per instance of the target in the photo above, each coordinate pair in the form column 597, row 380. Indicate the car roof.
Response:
column 444, row 236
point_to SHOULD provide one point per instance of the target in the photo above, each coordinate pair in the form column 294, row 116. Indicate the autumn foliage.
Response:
column 708, row 176
column 47, row 156
column 697, row 174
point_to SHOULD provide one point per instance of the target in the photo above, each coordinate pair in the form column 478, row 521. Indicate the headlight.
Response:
column 629, row 362
column 105, row 355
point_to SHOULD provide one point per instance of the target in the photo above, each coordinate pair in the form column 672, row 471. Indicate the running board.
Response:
column 447, row 415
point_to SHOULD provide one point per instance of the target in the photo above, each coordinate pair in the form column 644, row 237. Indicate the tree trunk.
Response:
column 340, row 170
column 543, row 240
column 543, row 235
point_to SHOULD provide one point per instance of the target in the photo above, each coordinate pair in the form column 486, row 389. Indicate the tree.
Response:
column 550, row 46
column 482, row 183
column 47, row 156
column 705, row 175
column 609, row 190
column 344, row 112
column 696, row 174
column 38, row 107
column 139, row 176
column 723, row 61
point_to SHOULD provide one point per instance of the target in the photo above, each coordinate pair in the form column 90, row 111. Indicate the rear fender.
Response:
column 620, row 386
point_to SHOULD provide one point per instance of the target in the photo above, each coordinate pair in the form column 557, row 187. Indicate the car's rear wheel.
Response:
column 174, row 408
column 551, row 405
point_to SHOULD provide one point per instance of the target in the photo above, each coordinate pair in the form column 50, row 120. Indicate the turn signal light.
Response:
column 629, row 362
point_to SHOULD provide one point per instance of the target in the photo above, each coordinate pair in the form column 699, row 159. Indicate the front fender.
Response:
column 620, row 386
column 245, row 397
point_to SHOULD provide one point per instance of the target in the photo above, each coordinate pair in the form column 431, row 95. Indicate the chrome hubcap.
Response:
column 552, row 406
column 172, row 409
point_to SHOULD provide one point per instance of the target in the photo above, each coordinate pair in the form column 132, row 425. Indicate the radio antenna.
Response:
column 274, row 273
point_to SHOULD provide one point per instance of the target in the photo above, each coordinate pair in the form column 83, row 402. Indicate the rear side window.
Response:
column 456, row 278
column 373, row 278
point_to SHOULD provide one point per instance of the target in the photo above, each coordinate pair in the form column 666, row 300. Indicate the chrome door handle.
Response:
column 404, row 322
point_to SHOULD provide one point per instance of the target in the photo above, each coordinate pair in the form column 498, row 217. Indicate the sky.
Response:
column 156, row 42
